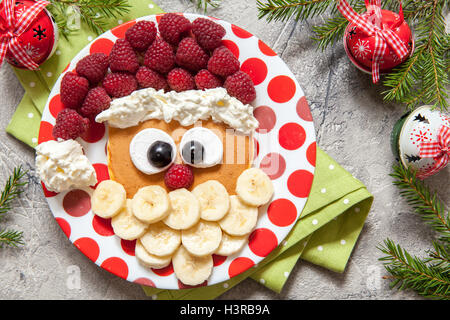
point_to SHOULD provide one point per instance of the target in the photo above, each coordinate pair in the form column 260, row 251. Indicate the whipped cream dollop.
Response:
column 62, row 166
column 186, row 107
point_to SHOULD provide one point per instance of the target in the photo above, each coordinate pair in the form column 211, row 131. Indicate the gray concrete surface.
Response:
column 353, row 125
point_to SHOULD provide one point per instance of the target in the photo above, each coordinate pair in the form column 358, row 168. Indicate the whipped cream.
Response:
column 186, row 107
column 62, row 166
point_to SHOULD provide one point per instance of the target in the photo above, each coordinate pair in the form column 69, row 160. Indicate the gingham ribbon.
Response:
column 384, row 36
column 439, row 150
column 10, row 31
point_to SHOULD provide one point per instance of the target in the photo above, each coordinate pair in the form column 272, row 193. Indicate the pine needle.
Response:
column 430, row 276
column 408, row 272
column 204, row 4
column 96, row 14
column 10, row 238
column 13, row 188
column 425, row 204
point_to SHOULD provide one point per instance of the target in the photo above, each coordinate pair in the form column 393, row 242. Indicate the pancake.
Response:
column 238, row 156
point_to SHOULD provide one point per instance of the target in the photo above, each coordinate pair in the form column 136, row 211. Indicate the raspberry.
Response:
column 173, row 27
column 206, row 80
column 180, row 80
column 69, row 125
column 179, row 176
column 96, row 101
column 147, row 78
column 223, row 62
column 93, row 67
column 123, row 57
column 240, row 86
column 141, row 35
column 73, row 90
column 208, row 33
column 119, row 84
column 190, row 55
column 159, row 56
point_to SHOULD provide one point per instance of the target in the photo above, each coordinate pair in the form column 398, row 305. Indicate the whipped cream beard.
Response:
column 186, row 107
column 62, row 166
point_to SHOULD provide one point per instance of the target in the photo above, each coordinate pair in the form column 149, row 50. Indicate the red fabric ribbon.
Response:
column 10, row 30
column 439, row 150
column 384, row 36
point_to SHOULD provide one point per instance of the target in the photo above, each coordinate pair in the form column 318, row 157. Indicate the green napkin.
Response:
column 328, row 227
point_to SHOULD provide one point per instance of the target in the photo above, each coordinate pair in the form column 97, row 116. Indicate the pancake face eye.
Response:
column 152, row 151
column 201, row 148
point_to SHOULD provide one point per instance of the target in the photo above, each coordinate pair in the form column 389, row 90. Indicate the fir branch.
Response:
column 205, row 3
column 408, row 272
column 426, row 71
column 418, row 195
column 10, row 238
column 282, row 10
column 12, row 189
column 95, row 13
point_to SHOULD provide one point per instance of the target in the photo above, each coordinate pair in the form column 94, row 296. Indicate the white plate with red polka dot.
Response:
column 286, row 151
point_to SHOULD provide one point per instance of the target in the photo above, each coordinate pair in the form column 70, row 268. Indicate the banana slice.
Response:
column 214, row 200
column 231, row 244
column 125, row 224
column 150, row 260
column 151, row 204
column 185, row 210
column 108, row 199
column 190, row 269
column 160, row 240
column 241, row 218
column 254, row 187
column 202, row 239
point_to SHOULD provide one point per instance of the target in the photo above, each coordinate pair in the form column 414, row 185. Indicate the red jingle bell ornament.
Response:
column 377, row 40
column 28, row 33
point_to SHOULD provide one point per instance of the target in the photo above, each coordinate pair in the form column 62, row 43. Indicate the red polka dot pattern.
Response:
column 291, row 136
column 282, row 212
column 274, row 165
column 102, row 226
column 303, row 110
column 89, row 247
column 164, row 272
column 77, row 203
column 119, row 31
column 239, row 265
column 218, row 260
column 65, row 226
column 266, row 49
column 102, row 46
column 45, row 132
column 299, row 183
column 240, row 33
column 232, row 46
column 262, row 241
column 116, row 266
column 281, row 89
column 284, row 147
column 128, row 246
column 55, row 105
column 47, row 193
column 266, row 118
column 145, row 282
column 102, row 172
column 256, row 69
column 311, row 154
column 255, row 148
